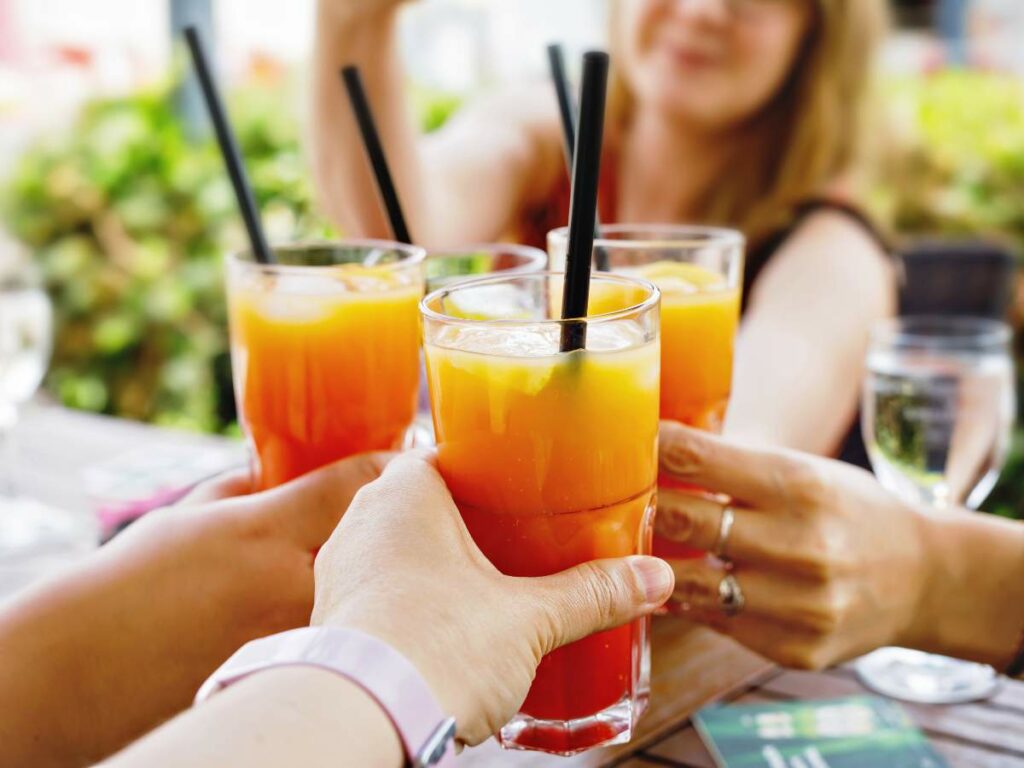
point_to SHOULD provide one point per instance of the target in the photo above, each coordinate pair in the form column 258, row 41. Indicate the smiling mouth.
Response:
column 692, row 59
column 688, row 58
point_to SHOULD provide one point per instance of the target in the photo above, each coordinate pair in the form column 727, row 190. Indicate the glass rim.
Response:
column 652, row 300
column 953, row 332
column 530, row 260
column 676, row 236
column 527, row 251
column 411, row 255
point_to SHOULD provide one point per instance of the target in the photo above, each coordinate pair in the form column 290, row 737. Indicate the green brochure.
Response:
column 853, row 732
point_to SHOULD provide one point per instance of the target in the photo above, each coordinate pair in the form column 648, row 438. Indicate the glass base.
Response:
column 926, row 678
column 613, row 725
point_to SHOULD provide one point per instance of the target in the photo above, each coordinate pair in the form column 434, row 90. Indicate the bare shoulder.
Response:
column 832, row 251
column 834, row 242
column 528, row 107
column 514, row 133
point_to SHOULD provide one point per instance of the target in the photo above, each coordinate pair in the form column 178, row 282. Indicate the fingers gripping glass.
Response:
column 699, row 271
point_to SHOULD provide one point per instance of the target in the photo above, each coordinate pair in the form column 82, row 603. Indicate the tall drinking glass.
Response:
column 446, row 267
column 325, row 352
column 700, row 273
column 552, row 459
column 937, row 415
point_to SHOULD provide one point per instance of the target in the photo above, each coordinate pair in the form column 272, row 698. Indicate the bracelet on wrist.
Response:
column 390, row 679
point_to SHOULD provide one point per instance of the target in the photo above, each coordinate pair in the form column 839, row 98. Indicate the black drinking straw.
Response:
column 567, row 113
column 229, row 150
column 566, row 109
column 375, row 152
column 583, row 201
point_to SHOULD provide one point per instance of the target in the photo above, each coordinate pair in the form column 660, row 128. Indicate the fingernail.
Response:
column 655, row 577
column 674, row 522
column 680, row 457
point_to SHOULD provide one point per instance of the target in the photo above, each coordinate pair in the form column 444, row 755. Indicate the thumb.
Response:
column 309, row 507
column 236, row 482
column 600, row 595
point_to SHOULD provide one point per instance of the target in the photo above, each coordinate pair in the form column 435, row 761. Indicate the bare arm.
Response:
column 974, row 607
column 291, row 716
column 116, row 645
column 405, row 530
column 464, row 183
column 800, row 352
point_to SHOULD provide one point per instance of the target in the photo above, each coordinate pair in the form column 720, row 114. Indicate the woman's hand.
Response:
column 250, row 554
column 402, row 566
column 829, row 563
column 134, row 631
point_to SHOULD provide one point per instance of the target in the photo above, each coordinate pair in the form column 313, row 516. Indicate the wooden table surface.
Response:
column 692, row 666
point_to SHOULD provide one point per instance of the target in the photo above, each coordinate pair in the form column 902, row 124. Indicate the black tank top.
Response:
column 853, row 449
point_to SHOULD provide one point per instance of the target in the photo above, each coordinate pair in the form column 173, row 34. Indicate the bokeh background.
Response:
column 110, row 182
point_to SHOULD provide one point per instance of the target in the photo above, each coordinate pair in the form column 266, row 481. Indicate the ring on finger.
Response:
column 725, row 524
column 730, row 596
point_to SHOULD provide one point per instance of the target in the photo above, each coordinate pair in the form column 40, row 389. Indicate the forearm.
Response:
column 784, row 396
column 68, row 654
column 345, row 183
column 973, row 606
column 40, row 686
column 290, row 716
column 800, row 352
column 96, row 658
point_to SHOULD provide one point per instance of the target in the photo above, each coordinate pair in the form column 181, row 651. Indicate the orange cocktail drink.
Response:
column 551, row 458
column 324, row 350
column 699, row 271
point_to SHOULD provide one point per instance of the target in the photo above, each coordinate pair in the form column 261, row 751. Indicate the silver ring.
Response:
column 730, row 596
column 724, row 529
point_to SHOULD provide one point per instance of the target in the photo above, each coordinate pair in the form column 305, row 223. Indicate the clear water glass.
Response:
column 33, row 536
column 938, row 412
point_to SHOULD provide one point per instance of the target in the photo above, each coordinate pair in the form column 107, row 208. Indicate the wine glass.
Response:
column 32, row 535
column 938, row 413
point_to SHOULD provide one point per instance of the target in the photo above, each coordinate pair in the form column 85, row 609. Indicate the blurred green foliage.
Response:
column 956, row 167
column 129, row 222
column 434, row 107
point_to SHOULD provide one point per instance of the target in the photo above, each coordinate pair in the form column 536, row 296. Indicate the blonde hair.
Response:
column 809, row 133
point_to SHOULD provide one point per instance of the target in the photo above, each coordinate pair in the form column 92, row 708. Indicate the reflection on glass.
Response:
column 938, row 413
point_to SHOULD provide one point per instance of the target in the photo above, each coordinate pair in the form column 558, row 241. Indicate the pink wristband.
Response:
column 427, row 733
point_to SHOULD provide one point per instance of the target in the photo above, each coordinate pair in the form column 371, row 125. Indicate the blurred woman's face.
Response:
column 712, row 62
